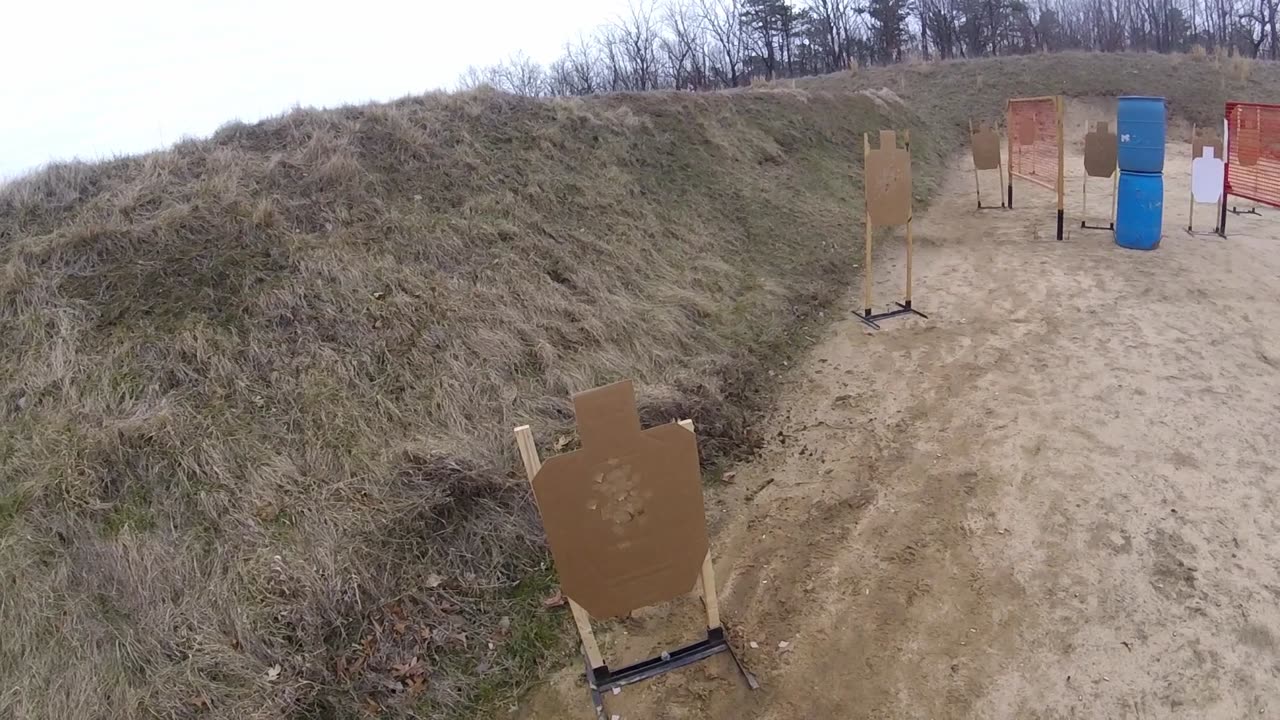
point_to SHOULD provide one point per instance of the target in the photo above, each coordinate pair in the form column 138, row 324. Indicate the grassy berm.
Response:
column 257, row 391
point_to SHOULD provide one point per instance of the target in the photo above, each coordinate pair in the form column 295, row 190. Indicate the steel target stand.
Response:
column 869, row 318
column 600, row 678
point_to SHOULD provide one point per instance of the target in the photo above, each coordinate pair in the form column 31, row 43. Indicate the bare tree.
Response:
column 723, row 21
column 637, row 38
column 685, row 46
column 708, row 44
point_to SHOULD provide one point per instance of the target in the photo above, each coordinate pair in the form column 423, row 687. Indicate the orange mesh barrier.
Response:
column 1253, row 152
column 1035, row 141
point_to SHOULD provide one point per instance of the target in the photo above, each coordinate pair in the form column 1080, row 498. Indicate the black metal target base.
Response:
column 602, row 680
column 1001, row 206
column 1108, row 226
column 903, row 309
column 1250, row 211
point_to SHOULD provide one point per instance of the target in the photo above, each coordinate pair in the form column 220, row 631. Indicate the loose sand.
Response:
column 1055, row 498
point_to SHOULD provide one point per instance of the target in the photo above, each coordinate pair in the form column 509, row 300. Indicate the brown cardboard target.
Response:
column 986, row 148
column 623, row 515
column 887, row 181
column 1249, row 146
column 1203, row 138
column 1027, row 130
column 1100, row 152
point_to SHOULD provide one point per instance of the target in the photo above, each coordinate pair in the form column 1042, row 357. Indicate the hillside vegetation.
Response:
column 257, row 391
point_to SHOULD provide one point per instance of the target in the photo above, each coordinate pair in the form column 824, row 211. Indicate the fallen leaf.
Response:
column 410, row 667
column 273, row 672
column 417, row 685
column 434, row 581
column 554, row 601
column 199, row 701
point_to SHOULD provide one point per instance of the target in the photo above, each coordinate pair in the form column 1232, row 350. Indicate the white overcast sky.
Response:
column 107, row 77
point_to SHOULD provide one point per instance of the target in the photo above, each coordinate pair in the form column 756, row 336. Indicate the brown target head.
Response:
column 887, row 182
column 1203, row 138
column 1100, row 150
column 624, row 514
column 986, row 147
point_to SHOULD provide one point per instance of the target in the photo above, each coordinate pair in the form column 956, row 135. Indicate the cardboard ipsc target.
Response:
column 1100, row 152
column 887, row 180
column 886, row 202
column 1206, row 176
column 1026, row 130
column 1250, row 146
column 986, row 148
column 623, row 515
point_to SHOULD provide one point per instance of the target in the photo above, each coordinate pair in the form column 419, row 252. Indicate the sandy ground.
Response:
column 1055, row 498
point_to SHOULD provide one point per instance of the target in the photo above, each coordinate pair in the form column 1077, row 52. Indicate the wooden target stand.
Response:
column 1100, row 154
column 985, row 146
column 600, row 677
column 887, row 202
column 1084, row 204
column 1202, row 138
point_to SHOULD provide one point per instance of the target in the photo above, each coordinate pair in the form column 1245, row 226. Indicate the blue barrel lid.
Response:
column 1141, row 97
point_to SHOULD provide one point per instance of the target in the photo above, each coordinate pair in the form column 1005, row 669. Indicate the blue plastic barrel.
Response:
column 1139, row 210
column 1140, row 128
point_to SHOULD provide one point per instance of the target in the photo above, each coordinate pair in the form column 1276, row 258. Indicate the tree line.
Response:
column 713, row 44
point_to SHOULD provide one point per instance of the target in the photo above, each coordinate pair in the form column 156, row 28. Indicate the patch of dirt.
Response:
column 1054, row 498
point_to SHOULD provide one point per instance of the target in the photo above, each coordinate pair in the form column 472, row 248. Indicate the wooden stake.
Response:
column 707, row 581
column 1061, row 164
column 977, row 187
column 532, row 463
column 1084, row 197
column 1191, row 213
column 1115, row 193
column 906, row 141
column 710, row 600
column 866, row 259
column 1008, row 131
column 1000, row 175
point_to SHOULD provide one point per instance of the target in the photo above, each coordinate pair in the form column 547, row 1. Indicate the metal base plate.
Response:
column 1250, row 211
column 1109, row 226
column 601, row 680
column 903, row 309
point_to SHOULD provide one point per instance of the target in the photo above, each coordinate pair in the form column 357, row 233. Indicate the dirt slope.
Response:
column 1052, row 499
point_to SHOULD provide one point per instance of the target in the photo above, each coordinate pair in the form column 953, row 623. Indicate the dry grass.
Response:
column 256, row 391
column 1241, row 67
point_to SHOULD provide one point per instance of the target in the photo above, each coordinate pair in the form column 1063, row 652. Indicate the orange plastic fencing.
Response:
column 1253, row 152
column 1035, row 141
